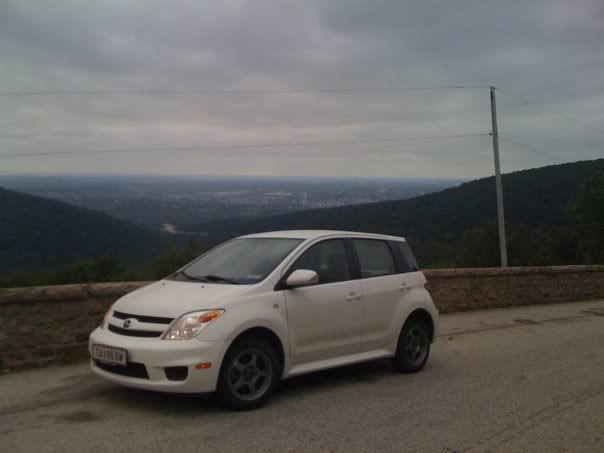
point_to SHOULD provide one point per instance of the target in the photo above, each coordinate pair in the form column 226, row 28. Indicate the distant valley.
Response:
column 457, row 226
column 553, row 216
column 174, row 204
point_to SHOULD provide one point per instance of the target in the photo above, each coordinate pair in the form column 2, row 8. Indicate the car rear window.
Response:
column 375, row 258
column 405, row 260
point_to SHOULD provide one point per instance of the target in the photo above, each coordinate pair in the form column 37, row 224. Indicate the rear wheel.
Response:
column 413, row 346
column 249, row 374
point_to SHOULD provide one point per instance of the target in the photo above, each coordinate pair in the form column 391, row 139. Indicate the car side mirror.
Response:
column 302, row 277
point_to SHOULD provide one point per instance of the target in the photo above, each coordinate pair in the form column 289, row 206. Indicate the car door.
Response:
column 325, row 320
column 384, row 290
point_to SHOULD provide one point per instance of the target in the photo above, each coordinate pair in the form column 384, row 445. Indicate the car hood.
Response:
column 171, row 299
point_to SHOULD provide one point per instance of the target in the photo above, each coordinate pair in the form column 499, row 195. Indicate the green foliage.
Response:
column 480, row 247
column 586, row 214
column 532, row 197
column 578, row 240
column 38, row 234
column 165, row 264
column 554, row 216
column 541, row 247
column 103, row 269
column 457, row 226
column 107, row 269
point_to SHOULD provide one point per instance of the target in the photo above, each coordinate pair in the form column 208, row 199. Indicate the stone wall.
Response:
column 48, row 324
column 473, row 289
column 45, row 324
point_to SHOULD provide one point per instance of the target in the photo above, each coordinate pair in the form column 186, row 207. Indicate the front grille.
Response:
column 133, row 369
column 143, row 318
column 134, row 333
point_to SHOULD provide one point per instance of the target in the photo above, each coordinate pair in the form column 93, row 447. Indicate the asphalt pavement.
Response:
column 518, row 379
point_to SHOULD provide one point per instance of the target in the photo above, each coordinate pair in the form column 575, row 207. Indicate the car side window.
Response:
column 375, row 258
column 405, row 261
column 328, row 259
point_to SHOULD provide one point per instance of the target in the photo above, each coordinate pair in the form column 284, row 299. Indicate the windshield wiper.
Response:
column 205, row 278
column 189, row 277
column 218, row 278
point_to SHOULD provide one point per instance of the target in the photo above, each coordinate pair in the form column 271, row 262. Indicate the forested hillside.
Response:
column 554, row 215
column 457, row 226
column 37, row 234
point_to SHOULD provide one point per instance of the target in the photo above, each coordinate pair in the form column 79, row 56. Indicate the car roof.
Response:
column 314, row 234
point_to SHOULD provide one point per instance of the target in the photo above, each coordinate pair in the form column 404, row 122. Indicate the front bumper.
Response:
column 156, row 355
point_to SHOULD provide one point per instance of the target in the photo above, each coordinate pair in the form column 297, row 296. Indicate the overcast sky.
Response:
column 551, row 51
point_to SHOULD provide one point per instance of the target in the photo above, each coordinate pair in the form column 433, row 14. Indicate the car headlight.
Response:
column 190, row 324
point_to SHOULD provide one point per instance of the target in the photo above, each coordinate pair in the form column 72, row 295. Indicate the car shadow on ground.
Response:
column 290, row 389
column 335, row 378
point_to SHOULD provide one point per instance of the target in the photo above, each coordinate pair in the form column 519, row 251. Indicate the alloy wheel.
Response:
column 416, row 345
column 250, row 374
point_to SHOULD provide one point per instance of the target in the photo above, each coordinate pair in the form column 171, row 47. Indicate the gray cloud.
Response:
column 548, row 50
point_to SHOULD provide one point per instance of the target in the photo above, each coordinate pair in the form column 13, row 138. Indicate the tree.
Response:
column 480, row 247
column 107, row 269
column 586, row 218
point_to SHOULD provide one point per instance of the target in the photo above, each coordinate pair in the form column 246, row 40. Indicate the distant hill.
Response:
column 453, row 227
column 533, row 199
column 37, row 233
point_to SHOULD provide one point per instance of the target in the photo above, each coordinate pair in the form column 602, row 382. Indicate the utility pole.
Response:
column 502, row 243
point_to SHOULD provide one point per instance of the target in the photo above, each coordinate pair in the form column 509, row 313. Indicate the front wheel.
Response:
column 249, row 374
column 413, row 346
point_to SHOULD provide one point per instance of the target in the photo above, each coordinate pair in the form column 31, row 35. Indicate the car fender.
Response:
column 421, row 301
column 255, row 311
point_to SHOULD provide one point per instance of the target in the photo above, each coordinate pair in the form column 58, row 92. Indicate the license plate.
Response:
column 107, row 354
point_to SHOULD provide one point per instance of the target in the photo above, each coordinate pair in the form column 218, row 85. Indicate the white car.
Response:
column 265, row 307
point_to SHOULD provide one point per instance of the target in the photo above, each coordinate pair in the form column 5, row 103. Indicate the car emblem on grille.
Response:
column 127, row 323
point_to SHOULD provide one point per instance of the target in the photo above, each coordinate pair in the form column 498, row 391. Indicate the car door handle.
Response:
column 352, row 297
column 404, row 287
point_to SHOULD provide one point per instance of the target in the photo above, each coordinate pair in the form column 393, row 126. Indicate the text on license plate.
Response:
column 106, row 354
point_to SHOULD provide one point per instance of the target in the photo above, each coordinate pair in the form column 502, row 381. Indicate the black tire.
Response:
column 413, row 346
column 249, row 374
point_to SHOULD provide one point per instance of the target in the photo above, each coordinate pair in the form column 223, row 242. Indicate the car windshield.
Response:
column 240, row 261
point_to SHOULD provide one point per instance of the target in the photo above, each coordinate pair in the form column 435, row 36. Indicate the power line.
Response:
column 550, row 110
column 243, row 146
column 252, row 91
column 530, row 148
